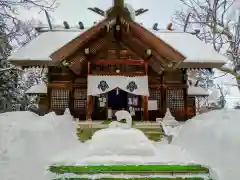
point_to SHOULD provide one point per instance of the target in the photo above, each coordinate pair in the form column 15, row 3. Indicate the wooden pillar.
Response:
column 163, row 96
column 71, row 96
column 49, row 90
column 145, row 108
column 89, row 108
column 185, row 94
column 89, row 99
column 145, row 99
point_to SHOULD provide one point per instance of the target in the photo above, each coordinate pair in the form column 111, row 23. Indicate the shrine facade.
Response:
column 118, row 64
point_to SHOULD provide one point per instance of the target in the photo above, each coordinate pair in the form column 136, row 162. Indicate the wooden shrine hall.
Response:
column 118, row 64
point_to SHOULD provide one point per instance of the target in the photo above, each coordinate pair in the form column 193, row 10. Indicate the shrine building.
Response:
column 118, row 64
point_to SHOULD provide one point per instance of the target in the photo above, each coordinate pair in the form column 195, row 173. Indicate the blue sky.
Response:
column 160, row 11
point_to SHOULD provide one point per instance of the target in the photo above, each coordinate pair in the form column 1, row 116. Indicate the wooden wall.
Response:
column 68, row 90
column 169, row 89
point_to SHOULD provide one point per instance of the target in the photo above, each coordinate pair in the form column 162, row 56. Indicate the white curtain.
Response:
column 137, row 85
column 100, row 84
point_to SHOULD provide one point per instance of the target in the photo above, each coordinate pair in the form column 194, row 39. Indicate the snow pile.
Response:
column 28, row 141
column 121, row 142
column 214, row 138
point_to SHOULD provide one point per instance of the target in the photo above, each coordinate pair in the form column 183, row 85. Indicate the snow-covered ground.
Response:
column 29, row 143
column 214, row 139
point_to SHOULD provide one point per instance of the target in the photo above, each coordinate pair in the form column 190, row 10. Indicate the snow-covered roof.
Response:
column 37, row 89
column 197, row 91
column 195, row 51
column 40, row 48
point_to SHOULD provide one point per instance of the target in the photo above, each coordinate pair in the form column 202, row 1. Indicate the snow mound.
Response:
column 214, row 139
column 28, row 141
column 121, row 142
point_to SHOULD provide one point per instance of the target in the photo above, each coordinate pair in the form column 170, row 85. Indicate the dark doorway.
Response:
column 100, row 107
column 117, row 99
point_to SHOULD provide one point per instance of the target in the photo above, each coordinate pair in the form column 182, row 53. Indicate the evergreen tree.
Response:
column 8, row 78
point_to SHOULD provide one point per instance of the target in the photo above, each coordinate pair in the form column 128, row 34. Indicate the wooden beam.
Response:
column 119, row 61
column 121, row 51
column 76, row 63
column 163, row 61
column 156, row 43
column 67, row 50
column 118, row 74
column 58, row 86
column 135, row 44
column 77, row 59
column 158, row 68
column 65, row 86
column 130, row 50
column 146, row 68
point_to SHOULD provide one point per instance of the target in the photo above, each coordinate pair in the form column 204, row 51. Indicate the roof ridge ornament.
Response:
column 119, row 8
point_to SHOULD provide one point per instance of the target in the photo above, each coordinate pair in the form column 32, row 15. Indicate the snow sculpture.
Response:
column 170, row 126
column 169, row 120
column 120, row 139
column 122, row 115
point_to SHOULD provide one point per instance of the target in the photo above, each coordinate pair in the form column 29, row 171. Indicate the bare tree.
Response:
column 210, row 18
column 15, row 32
column 16, row 29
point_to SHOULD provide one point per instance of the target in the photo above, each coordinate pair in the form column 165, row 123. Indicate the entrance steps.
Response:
column 137, row 172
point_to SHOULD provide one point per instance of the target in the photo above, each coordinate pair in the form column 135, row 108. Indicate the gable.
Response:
column 129, row 33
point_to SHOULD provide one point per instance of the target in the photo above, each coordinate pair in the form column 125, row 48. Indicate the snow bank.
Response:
column 79, row 155
column 121, row 142
column 214, row 139
column 28, row 141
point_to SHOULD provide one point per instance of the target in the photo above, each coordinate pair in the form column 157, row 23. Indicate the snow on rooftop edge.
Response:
column 43, row 46
column 37, row 89
column 194, row 50
column 191, row 47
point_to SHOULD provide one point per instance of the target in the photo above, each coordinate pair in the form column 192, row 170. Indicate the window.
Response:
column 60, row 98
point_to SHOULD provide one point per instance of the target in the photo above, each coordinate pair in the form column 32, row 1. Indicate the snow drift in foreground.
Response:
column 214, row 138
column 28, row 141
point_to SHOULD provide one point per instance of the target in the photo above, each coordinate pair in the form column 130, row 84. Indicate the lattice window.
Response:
column 60, row 98
column 80, row 98
column 155, row 94
column 175, row 98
